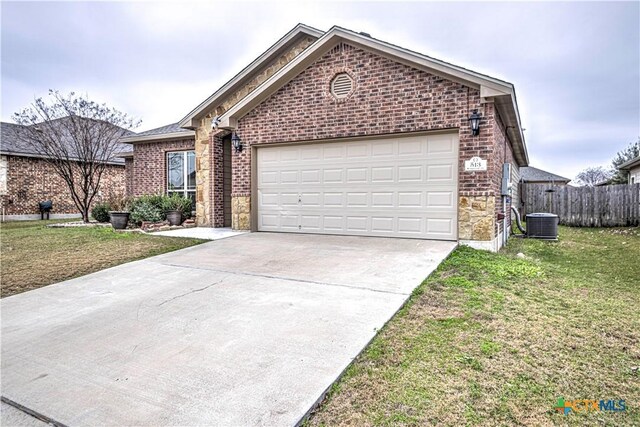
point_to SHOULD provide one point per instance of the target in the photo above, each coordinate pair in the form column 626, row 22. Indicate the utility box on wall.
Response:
column 506, row 179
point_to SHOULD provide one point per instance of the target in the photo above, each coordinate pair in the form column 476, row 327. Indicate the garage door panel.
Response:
column 412, row 147
column 383, row 148
column 382, row 224
column 359, row 199
column 411, row 199
column 442, row 145
column 310, row 176
column 333, row 223
column 356, row 223
column 398, row 201
column 357, row 150
column 443, row 199
column 382, row 174
column 287, row 177
column 357, row 175
column 440, row 173
column 332, row 176
column 405, row 186
column 410, row 173
column 442, row 226
column 382, row 199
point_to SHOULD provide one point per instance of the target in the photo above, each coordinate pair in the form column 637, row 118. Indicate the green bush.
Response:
column 154, row 207
column 147, row 208
column 176, row 202
column 100, row 212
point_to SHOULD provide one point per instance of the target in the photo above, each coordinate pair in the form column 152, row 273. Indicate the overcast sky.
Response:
column 575, row 66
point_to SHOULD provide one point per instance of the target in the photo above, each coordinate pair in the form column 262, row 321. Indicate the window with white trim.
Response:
column 181, row 174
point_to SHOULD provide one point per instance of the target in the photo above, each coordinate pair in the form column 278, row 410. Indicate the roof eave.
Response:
column 40, row 156
column 630, row 164
column 190, row 120
column 158, row 137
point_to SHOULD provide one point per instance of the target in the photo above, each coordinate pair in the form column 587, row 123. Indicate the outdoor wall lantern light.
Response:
column 236, row 142
column 475, row 123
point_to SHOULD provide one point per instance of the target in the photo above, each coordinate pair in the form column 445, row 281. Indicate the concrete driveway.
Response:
column 249, row 330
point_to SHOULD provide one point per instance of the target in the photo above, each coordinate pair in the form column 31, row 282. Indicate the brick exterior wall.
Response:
column 389, row 97
column 149, row 164
column 217, row 178
column 128, row 168
column 31, row 180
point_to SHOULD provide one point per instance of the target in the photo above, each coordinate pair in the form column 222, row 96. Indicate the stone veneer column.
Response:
column 203, row 173
column 476, row 218
column 241, row 212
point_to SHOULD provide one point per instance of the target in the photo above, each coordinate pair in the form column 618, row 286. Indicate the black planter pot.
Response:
column 119, row 220
column 174, row 217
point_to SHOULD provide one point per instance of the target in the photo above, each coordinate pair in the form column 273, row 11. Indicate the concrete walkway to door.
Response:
column 249, row 330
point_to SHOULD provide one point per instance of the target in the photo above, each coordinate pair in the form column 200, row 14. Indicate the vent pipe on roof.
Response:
column 362, row 33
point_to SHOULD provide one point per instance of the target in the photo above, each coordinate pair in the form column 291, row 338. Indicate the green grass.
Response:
column 33, row 255
column 493, row 339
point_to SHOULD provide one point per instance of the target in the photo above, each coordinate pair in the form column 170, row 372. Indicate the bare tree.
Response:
column 77, row 137
column 593, row 176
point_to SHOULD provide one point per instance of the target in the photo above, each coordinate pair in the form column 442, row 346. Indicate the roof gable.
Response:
column 272, row 54
column 500, row 92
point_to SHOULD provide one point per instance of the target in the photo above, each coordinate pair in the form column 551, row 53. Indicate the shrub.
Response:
column 176, row 202
column 100, row 212
column 119, row 203
column 147, row 208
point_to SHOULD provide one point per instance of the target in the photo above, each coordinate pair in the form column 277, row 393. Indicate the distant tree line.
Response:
column 592, row 176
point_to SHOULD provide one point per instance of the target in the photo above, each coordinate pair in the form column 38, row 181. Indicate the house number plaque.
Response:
column 475, row 164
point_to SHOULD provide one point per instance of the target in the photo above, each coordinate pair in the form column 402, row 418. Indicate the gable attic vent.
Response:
column 341, row 86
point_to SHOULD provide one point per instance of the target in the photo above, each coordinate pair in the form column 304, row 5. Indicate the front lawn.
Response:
column 32, row 255
column 493, row 339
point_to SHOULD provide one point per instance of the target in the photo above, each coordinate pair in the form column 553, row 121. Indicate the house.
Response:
column 633, row 167
column 340, row 133
column 538, row 176
column 27, row 179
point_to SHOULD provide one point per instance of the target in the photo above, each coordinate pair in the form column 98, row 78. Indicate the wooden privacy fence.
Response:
column 606, row 206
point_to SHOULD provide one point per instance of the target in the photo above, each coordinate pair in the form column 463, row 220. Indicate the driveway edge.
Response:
column 323, row 395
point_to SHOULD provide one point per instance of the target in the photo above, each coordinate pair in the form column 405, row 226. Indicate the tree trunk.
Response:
column 85, row 214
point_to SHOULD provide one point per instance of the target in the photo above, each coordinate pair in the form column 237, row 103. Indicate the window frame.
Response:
column 185, row 191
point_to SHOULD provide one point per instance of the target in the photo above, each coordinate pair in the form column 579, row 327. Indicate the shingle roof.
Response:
column 172, row 128
column 531, row 174
column 10, row 144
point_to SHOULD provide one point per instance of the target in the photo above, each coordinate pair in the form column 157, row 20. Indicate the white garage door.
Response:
column 397, row 187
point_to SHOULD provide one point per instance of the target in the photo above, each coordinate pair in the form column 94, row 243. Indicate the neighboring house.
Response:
column 27, row 179
column 341, row 133
column 633, row 166
column 538, row 176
